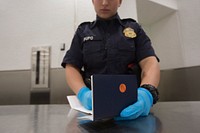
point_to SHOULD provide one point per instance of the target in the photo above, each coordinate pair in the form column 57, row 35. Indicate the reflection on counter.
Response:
column 149, row 124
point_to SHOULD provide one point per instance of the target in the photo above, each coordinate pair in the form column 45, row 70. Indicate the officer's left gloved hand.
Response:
column 140, row 108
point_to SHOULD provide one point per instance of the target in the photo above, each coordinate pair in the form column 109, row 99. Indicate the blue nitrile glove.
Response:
column 140, row 108
column 85, row 97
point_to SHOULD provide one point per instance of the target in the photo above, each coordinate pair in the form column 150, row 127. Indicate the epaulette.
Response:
column 85, row 23
column 129, row 19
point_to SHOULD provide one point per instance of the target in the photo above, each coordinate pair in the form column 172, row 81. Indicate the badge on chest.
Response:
column 129, row 32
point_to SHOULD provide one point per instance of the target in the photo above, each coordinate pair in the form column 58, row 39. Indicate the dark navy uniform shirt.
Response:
column 108, row 47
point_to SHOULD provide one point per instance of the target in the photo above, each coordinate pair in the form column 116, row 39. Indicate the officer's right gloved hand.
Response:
column 85, row 97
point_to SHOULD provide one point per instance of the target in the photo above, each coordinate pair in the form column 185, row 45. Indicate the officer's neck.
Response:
column 107, row 19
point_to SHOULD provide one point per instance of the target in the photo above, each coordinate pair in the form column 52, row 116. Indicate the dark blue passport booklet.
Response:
column 111, row 94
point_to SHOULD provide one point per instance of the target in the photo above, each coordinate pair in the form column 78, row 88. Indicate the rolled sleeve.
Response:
column 143, row 45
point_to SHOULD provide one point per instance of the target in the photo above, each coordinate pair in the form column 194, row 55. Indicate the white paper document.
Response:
column 75, row 104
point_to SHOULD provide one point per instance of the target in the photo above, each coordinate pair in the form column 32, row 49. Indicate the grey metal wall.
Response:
column 176, row 85
column 180, row 84
column 15, row 87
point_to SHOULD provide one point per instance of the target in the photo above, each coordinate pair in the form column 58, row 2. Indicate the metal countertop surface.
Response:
column 165, row 117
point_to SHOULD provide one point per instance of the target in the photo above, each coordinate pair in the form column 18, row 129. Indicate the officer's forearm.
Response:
column 150, row 71
column 74, row 78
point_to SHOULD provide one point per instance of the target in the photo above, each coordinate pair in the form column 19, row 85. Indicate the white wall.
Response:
column 190, row 30
column 168, row 3
column 165, row 35
column 28, row 23
column 128, row 9
column 176, row 36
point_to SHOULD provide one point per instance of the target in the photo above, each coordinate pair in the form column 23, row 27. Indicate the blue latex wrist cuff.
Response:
column 148, row 94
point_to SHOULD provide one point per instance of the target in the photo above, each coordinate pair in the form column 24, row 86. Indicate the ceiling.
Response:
column 150, row 12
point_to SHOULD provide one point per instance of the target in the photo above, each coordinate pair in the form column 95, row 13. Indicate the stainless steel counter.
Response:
column 165, row 117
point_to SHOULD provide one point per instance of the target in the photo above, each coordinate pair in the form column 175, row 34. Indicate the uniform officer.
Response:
column 111, row 45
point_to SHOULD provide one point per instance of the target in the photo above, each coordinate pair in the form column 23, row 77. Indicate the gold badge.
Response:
column 129, row 32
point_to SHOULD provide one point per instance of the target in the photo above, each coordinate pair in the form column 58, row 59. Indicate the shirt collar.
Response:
column 115, row 17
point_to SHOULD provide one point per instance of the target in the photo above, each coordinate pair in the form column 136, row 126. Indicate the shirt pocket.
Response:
column 93, row 51
column 126, row 49
column 92, row 46
column 126, row 44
